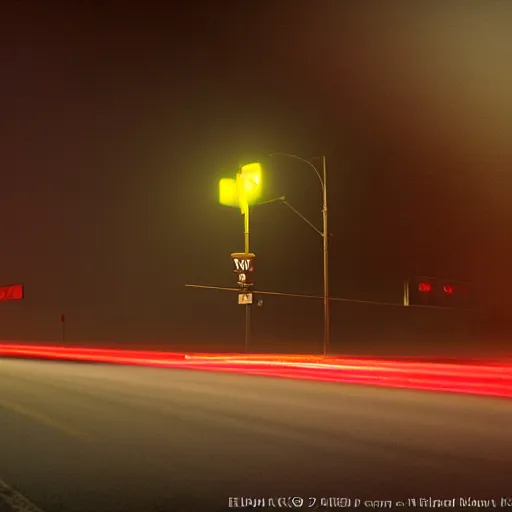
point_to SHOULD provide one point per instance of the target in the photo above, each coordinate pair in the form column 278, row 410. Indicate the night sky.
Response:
column 117, row 123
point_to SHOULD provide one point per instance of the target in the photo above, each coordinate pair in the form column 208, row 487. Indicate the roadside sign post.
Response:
column 243, row 266
column 63, row 326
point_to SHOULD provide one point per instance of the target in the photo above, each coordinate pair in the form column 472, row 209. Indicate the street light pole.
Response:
column 325, row 235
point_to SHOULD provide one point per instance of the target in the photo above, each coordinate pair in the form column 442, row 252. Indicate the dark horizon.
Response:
column 118, row 122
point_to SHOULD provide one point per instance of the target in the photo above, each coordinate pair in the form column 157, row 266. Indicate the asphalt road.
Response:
column 85, row 437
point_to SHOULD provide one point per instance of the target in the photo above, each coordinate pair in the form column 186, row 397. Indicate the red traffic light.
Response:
column 424, row 287
column 439, row 293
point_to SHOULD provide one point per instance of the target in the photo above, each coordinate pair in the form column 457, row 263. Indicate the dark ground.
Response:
column 82, row 437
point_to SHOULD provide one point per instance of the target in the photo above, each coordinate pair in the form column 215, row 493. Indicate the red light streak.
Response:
column 477, row 379
column 424, row 287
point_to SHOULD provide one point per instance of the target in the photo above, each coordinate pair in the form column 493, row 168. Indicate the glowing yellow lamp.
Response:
column 244, row 190
column 228, row 192
column 250, row 175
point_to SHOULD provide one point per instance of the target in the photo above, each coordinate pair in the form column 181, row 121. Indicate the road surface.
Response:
column 90, row 437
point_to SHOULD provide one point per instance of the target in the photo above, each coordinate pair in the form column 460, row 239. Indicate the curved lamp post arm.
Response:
column 296, row 157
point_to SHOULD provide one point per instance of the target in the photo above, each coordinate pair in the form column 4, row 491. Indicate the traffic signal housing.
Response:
column 243, row 190
column 435, row 292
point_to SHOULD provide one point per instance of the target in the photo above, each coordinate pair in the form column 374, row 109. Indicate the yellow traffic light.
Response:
column 228, row 192
column 251, row 181
column 243, row 191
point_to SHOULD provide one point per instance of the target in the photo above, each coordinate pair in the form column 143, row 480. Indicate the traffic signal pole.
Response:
column 240, row 192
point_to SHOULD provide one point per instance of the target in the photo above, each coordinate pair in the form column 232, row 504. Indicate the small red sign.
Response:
column 12, row 292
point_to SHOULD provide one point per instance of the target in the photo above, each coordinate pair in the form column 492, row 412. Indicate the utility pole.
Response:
column 325, row 235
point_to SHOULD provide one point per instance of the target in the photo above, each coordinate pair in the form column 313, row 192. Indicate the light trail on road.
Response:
column 470, row 378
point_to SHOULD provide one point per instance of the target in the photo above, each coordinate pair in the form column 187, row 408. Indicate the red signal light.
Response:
column 425, row 287
column 448, row 288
